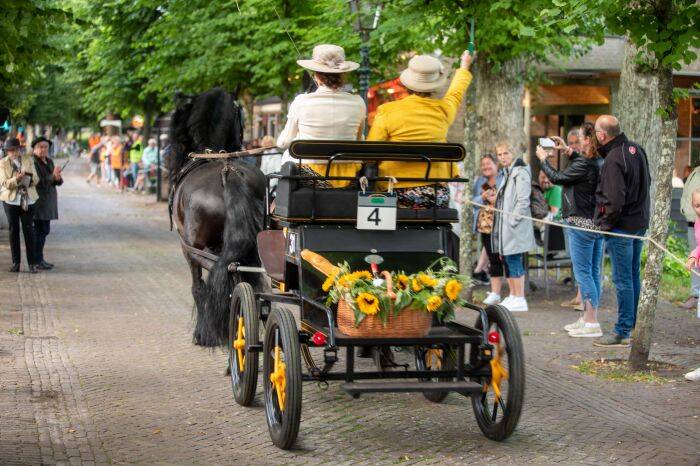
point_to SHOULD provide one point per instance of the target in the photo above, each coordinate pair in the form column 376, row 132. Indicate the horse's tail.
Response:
column 244, row 220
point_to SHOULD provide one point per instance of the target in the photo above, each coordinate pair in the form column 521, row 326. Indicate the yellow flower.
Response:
column 427, row 280
column 330, row 280
column 434, row 302
column 367, row 303
column 452, row 289
column 346, row 281
column 362, row 274
column 402, row 282
column 415, row 285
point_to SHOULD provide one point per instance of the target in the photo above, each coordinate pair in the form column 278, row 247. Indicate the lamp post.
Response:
column 366, row 18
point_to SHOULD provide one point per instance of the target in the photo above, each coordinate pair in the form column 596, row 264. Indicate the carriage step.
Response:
column 464, row 387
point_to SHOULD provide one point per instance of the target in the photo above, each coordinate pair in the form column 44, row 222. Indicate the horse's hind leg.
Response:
column 198, row 293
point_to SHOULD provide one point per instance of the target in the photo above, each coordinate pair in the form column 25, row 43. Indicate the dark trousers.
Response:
column 42, row 228
column 15, row 216
column 495, row 261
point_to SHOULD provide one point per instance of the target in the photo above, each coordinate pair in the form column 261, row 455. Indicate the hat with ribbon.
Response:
column 328, row 58
column 424, row 74
column 12, row 144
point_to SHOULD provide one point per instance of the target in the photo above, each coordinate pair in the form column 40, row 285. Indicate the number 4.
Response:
column 374, row 217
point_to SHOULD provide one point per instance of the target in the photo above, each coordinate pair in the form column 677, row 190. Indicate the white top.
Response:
column 324, row 114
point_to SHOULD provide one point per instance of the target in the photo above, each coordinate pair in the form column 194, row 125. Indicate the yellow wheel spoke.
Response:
column 278, row 379
column 239, row 344
column 498, row 374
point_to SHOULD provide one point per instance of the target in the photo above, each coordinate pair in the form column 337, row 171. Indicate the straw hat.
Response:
column 328, row 58
column 424, row 74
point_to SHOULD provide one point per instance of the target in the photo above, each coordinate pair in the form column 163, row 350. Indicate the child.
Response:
column 694, row 260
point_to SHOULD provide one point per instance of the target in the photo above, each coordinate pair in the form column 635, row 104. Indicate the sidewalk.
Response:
column 97, row 366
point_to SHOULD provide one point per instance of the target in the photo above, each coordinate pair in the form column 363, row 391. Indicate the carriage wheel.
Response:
column 282, row 378
column 243, row 327
column 435, row 358
column 498, row 407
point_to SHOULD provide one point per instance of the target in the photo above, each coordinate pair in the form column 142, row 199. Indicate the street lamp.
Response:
column 366, row 18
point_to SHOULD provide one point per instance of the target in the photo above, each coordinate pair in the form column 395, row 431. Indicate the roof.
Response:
column 608, row 57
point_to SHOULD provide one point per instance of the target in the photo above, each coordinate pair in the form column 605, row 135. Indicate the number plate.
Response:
column 376, row 211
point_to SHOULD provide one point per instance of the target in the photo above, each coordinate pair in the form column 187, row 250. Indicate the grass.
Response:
column 617, row 370
column 672, row 288
column 16, row 331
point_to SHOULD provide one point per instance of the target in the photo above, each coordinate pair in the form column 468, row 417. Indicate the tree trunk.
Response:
column 470, row 168
column 641, row 337
column 499, row 106
column 147, row 125
column 636, row 105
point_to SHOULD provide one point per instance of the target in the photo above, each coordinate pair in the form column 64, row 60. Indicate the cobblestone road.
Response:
column 96, row 366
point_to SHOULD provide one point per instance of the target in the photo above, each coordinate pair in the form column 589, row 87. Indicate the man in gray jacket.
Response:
column 513, row 235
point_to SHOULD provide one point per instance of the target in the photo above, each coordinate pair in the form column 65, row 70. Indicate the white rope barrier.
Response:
column 574, row 227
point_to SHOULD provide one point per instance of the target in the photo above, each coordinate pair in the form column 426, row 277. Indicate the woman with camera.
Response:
column 18, row 195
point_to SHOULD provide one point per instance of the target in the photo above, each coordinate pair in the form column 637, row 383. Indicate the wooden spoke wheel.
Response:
column 282, row 378
column 498, row 407
column 243, row 328
column 435, row 358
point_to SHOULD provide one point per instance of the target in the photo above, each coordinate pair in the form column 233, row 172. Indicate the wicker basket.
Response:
column 409, row 323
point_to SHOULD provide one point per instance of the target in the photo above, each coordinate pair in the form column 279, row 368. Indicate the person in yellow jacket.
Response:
column 421, row 118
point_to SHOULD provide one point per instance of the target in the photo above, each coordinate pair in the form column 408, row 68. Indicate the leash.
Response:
column 259, row 152
column 588, row 230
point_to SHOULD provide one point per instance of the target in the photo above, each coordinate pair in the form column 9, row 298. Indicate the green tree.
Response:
column 664, row 32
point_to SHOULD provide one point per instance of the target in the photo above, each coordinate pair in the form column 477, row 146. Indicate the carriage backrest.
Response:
column 377, row 151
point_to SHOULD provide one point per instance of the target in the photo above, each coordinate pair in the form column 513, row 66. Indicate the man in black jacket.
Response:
column 622, row 206
column 46, row 208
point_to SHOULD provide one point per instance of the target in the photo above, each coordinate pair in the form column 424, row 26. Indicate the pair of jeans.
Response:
column 626, row 256
column 514, row 265
column 586, row 251
column 42, row 228
column 16, row 216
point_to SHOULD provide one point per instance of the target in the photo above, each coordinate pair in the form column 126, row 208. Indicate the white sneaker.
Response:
column 506, row 300
column 492, row 298
column 515, row 304
column 693, row 376
column 587, row 330
column 578, row 324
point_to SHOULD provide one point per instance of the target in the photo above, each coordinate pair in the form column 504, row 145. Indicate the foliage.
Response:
column 26, row 28
column 617, row 370
column 434, row 290
column 671, row 267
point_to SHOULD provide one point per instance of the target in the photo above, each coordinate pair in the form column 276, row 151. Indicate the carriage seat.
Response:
column 301, row 204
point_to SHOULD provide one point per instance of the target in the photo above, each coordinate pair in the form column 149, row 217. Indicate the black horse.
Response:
column 217, row 207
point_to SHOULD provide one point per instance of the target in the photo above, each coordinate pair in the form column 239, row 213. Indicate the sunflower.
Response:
column 416, row 285
column 434, row 302
column 330, row 280
column 427, row 280
column 402, row 282
column 346, row 280
column 452, row 289
column 367, row 303
column 361, row 274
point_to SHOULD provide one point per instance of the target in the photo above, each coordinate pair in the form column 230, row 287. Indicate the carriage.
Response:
column 483, row 361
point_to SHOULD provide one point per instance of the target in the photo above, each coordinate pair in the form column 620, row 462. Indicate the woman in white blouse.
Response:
column 328, row 113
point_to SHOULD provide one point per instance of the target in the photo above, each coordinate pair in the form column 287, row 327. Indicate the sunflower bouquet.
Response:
column 433, row 291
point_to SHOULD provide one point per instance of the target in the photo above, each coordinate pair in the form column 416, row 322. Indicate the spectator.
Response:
column 95, row 160
column 622, row 207
column 512, row 236
column 116, row 162
column 580, row 180
column 552, row 195
column 135, row 154
column 692, row 183
column 485, row 190
column 572, row 141
column 270, row 163
column 149, row 159
column 18, row 195
column 46, row 208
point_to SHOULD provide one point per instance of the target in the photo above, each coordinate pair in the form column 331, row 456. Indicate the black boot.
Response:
column 15, row 267
column 43, row 265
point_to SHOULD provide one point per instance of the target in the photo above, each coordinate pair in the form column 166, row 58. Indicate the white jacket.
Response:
column 324, row 114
